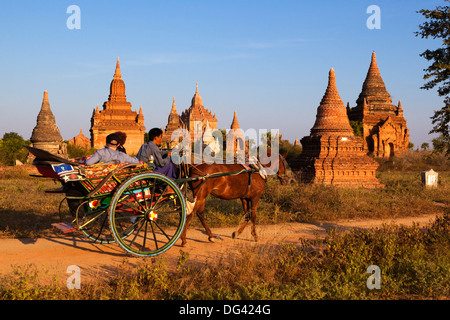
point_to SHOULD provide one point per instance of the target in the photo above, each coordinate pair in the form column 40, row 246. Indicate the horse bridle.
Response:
column 286, row 166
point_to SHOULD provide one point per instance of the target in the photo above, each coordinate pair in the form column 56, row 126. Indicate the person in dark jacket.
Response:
column 161, row 159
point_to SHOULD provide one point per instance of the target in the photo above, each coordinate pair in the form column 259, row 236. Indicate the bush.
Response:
column 414, row 264
column 78, row 152
column 11, row 149
column 416, row 161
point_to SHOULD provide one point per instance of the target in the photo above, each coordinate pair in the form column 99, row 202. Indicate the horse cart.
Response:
column 124, row 203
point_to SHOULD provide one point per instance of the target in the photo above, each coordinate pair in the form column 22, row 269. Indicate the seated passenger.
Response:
column 110, row 154
column 161, row 159
column 122, row 139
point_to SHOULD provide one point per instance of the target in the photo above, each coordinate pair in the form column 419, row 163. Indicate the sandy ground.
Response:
column 54, row 255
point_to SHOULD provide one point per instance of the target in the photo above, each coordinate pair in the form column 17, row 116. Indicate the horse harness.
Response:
column 205, row 177
column 253, row 168
column 250, row 169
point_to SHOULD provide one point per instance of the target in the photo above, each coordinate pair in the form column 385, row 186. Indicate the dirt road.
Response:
column 54, row 255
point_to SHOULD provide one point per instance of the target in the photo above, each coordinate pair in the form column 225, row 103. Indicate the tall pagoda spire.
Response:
column 117, row 97
column 374, row 89
column 117, row 74
column 235, row 123
column 196, row 99
column 46, row 129
column 174, row 107
column 331, row 115
column 399, row 108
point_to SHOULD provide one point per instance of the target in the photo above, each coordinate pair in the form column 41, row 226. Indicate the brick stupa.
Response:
column 173, row 123
column 235, row 137
column 46, row 135
column 384, row 126
column 80, row 140
column 332, row 154
column 118, row 116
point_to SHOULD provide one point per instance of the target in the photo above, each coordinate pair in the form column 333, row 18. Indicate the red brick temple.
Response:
column 384, row 126
column 332, row 154
column 118, row 116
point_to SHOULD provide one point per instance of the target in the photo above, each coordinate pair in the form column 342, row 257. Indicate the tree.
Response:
column 437, row 25
column 439, row 144
column 357, row 127
column 11, row 148
column 425, row 146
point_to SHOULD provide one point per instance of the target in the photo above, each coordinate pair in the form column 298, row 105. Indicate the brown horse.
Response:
column 246, row 186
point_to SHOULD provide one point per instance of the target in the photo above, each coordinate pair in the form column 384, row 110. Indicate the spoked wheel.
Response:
column 144, row 208
column 92, row 220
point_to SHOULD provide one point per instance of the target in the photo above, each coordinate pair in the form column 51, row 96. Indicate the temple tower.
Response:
column 173, row 123
column 384, row 126
column 46, row 134
column 332, row 154
column 196, row 117
column 117, row 116
column 80, row 140
column 235, row 138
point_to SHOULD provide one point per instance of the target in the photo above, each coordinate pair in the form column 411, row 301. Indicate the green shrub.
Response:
column 11, row 149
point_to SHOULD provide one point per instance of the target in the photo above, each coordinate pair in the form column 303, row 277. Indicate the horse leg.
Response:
column 197, row 204
column 200, row 215
column 183, row 233
column 253, row 218
column 245, row 205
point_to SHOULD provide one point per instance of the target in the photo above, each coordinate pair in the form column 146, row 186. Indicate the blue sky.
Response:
column 268, row 60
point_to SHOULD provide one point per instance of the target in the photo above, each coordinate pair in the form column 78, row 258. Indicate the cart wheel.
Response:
column 143, row 209
column 92, row 220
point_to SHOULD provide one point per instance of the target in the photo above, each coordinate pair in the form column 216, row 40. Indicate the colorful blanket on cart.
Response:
column 108, row 175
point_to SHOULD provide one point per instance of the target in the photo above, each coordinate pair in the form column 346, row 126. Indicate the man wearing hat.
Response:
column 110, row 154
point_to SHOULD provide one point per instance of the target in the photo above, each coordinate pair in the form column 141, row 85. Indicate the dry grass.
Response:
column 27, row 211
column 415, row 262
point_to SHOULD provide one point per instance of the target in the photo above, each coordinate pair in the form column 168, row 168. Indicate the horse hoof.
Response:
column 233, row 235
column 211, row 239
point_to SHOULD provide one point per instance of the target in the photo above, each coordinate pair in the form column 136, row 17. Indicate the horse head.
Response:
column 282, row 172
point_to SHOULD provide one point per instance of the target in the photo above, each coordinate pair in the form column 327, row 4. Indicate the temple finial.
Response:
column 174, row 108
column 373, row 68
column 235, row 123
column 117, row 74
